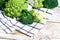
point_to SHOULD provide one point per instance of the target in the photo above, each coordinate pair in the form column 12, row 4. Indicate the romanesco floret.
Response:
column 14, row 7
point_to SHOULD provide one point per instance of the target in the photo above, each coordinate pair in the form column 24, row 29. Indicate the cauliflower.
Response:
column 38, row 3
column 38, row 16
column 13, row 8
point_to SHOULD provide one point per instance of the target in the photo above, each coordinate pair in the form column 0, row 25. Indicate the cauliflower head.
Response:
column 38, row 3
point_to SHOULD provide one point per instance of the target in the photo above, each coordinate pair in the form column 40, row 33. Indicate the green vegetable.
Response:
column 14, row 7
column 50, row 3
column 37, row 4
column 2, row 3
column 36, row 18
column 26, row 18
column 35, row 15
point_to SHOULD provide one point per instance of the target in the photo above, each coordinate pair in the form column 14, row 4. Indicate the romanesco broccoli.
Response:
column 14, row 7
